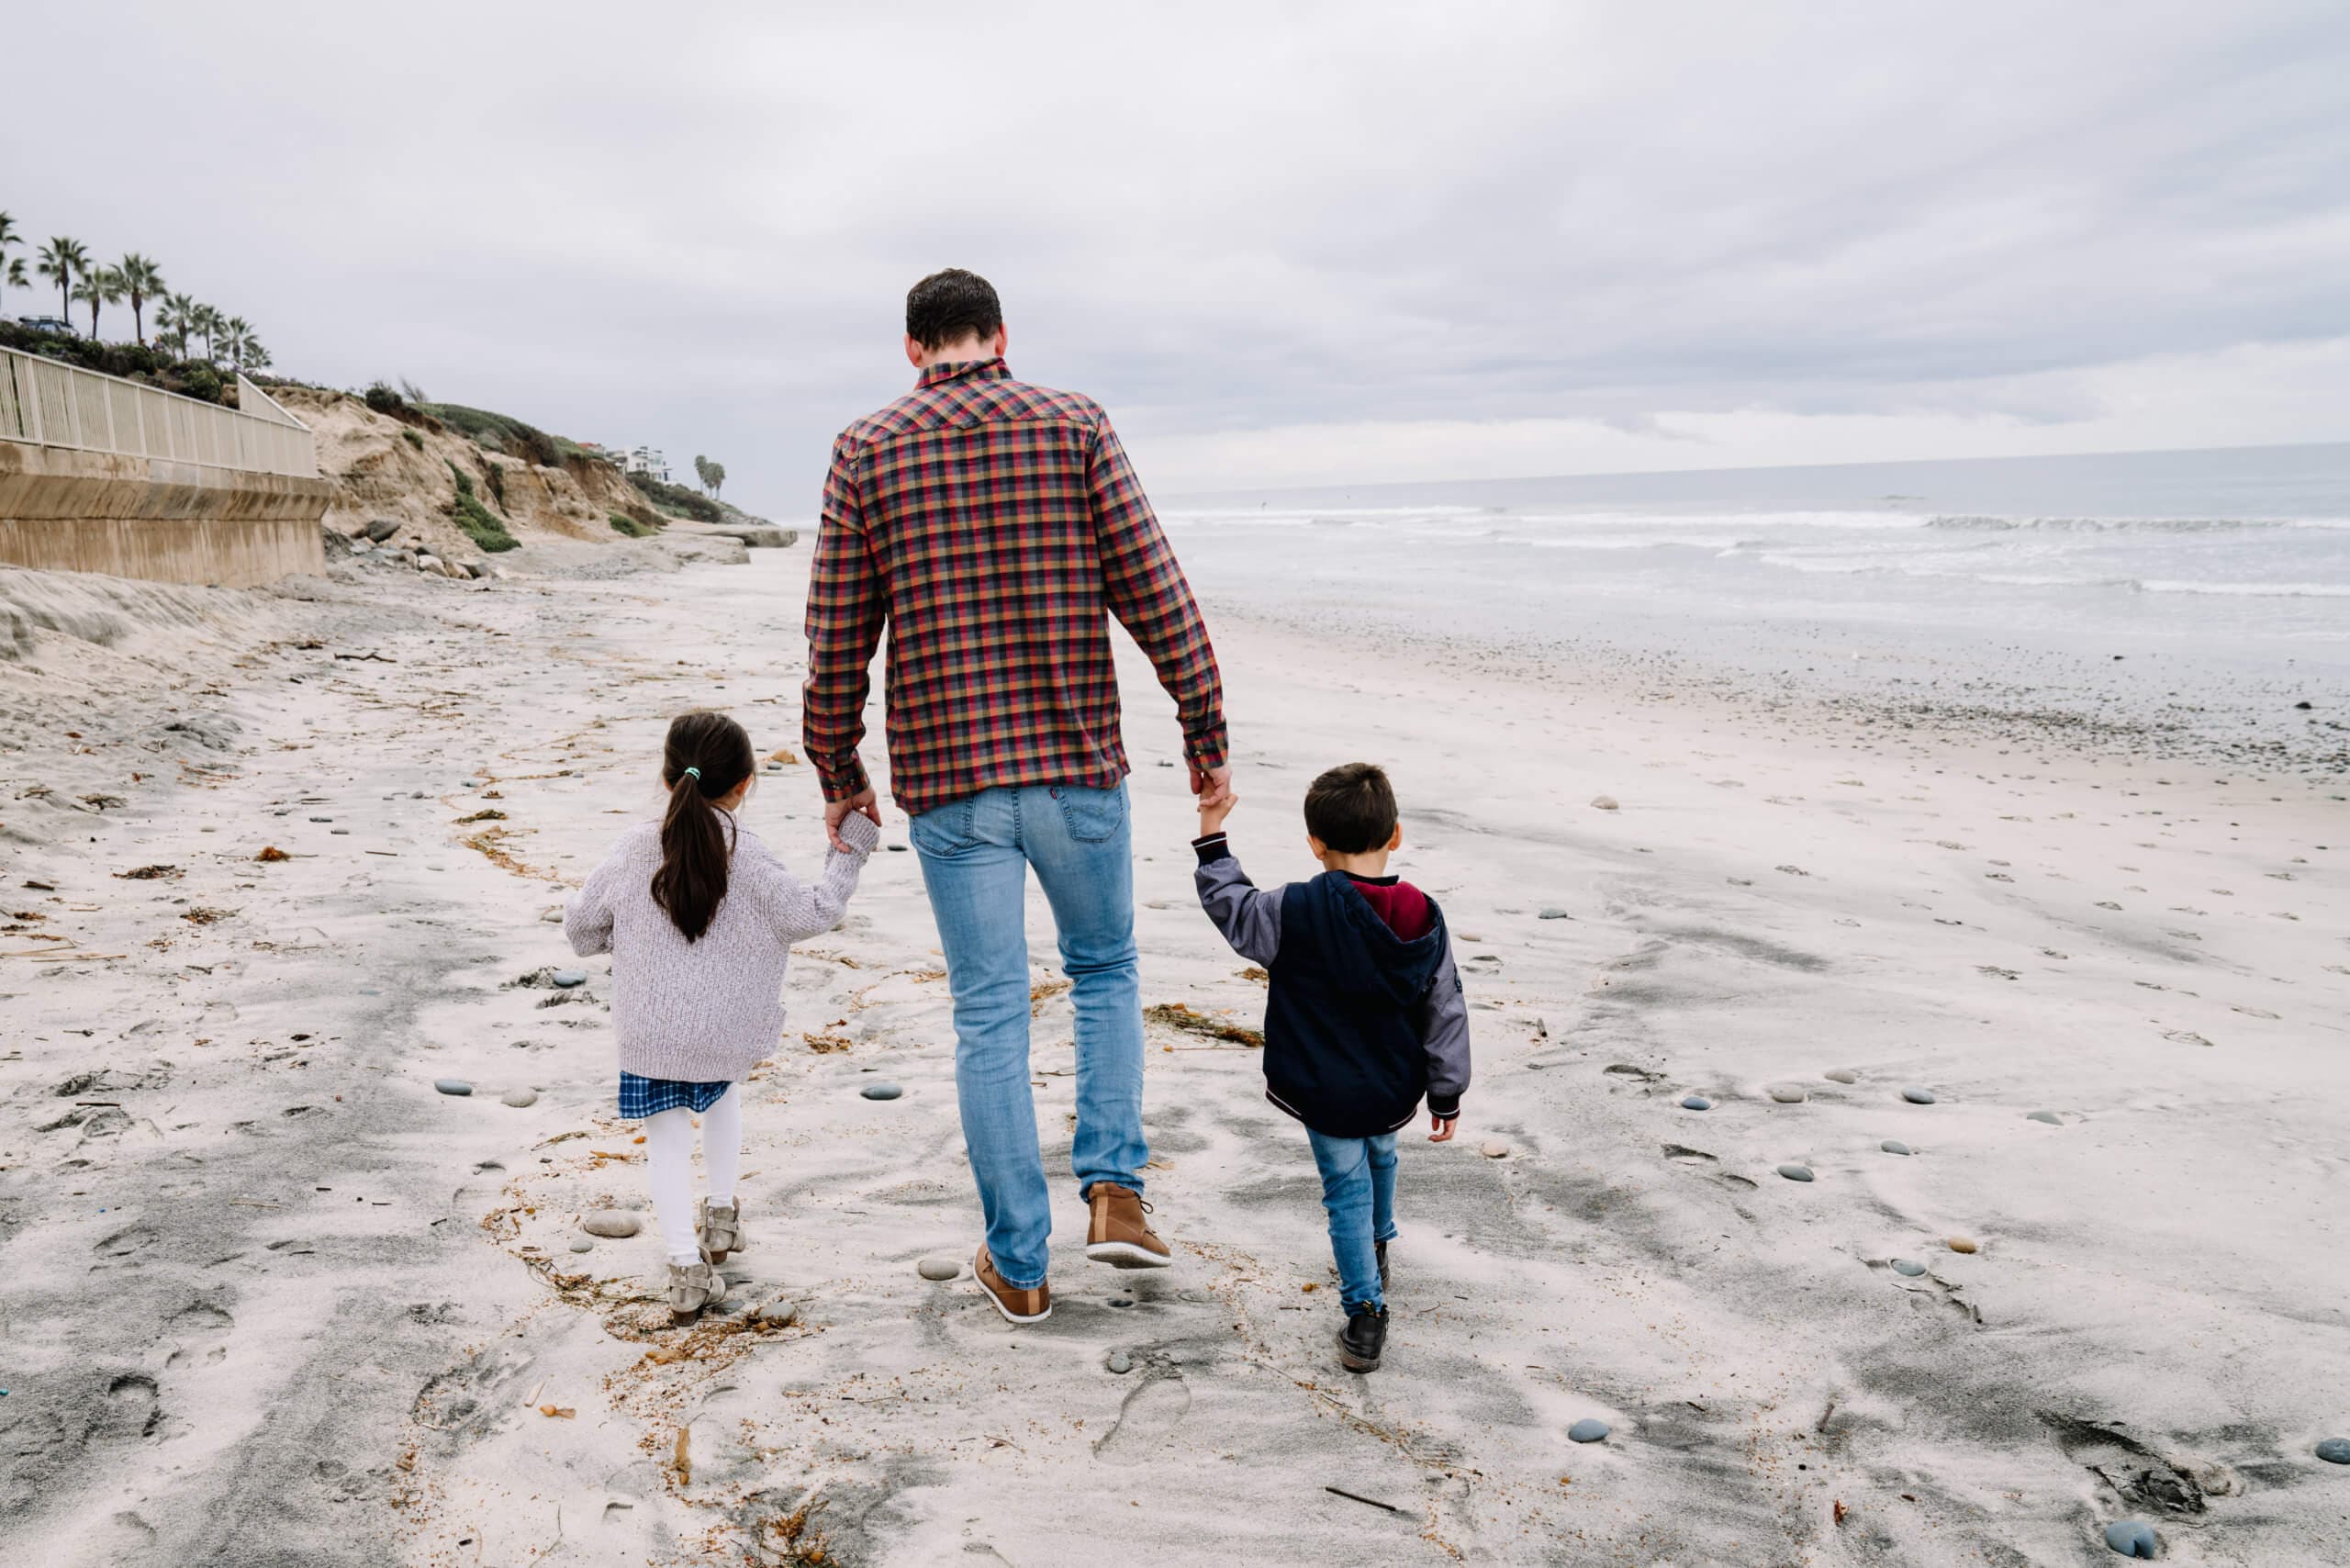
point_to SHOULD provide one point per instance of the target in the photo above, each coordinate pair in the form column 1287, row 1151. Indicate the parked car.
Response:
column 47, row 324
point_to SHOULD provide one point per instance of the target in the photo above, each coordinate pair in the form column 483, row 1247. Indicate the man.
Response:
column 992, row 526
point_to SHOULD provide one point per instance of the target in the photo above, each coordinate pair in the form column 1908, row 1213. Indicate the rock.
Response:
column 1789, row 1093
column 1604, row 803
column 521, row 1099
column 1493, row 1148
column 1842, row 1075
column 610, row 1222
column 567, row 979
column 1917, row 1096
column 553, row 917
column 780, row 1312
column 1894, row 1145
column 1590, row 1429
column 938, row 1268
column 380, row 530
column 453, row 1086
column 581, row 1244
column 1554, row 913
column 1695, row 1103
column 2334, row 1450
column 774, row 768
column 1120, row 1361
column 428, row 563
column 884, row 1090
column 1962, row 1244
column 2131, row 1538
column 2050, row 1117
column 1908, row 1266
column 1795, row 1172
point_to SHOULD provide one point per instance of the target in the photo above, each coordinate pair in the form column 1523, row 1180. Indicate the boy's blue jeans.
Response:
column 1359, row 1190
column 975, row 854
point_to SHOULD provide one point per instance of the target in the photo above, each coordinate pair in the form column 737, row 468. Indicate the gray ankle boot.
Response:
column 720, row 1227
column 693, row 1286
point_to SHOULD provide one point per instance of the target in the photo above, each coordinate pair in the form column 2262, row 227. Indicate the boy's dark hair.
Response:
column 950, row 306
column 694, row 844
column 1351, row 809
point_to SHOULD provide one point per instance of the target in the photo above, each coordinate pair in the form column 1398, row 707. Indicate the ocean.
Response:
column 2210, row 584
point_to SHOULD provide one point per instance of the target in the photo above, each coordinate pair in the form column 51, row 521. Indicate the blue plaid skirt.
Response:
column 643, row 1097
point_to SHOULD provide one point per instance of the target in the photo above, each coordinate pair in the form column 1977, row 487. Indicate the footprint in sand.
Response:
column 1150, row 1413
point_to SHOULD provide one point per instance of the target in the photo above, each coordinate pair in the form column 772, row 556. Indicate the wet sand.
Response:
column 270, row 1298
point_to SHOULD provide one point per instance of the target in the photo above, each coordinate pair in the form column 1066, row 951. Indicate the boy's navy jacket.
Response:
column 1359, row 1022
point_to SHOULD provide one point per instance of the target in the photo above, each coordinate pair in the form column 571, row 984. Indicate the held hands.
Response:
column 1212, row 816
column 1214, row 786
column 863, row 802
column 1442, row 1129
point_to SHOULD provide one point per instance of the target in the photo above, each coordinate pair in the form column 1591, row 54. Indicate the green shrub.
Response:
column 622, row 523
column 499, row 434
column 497, row 484
column 150, row 366
column 679, row 501
column 383, row 400
column 480, row 524
column 413, row 439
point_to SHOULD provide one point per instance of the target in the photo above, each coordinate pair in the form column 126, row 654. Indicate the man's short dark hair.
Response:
column 947, row 306
column 1351, row 809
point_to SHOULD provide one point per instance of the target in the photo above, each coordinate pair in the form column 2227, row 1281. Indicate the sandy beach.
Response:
column 278, row 862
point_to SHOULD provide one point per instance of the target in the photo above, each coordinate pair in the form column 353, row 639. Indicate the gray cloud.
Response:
column 697, row 230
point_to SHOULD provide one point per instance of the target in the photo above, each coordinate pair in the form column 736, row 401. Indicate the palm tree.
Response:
column 100, row 285
column 174, row 318
column 62, row 260
column 11, row 272
column 140, row 278
column 233, row 345
column 15, row 276
column 256, row 356
column 207, row 322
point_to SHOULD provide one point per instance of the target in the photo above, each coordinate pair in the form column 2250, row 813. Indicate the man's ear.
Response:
column 913, row 352
column 1396, row 839
column 1001, row 341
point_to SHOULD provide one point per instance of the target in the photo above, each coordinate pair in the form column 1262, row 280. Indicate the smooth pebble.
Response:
column 2334, row 1450
column 1695, row 1103
column 1494, row 1150
column 1120, row 1361
column 2050, row 1117
column 521, row 1099
column 581, row 1244
column 1919, row 1096
column 1554, row 913
column 2131, row 1538
column 1604, row 802
column 610, row 1222
column 884, row 1091
column 1894, row 1145
column 1789, row 1093
column 938, row 1268
column 1795, row 1172
column 1842, row 1075
column 1909, row 1266
column 1961, row 1243
column 567, row 978
column 453, row 1086
column 1590, row 1429
column 784, row 1311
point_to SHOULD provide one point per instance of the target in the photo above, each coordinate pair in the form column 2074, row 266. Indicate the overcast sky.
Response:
column 1284, row 243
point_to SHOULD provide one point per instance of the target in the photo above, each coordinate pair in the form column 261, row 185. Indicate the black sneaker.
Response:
column 1363, row 1338
column 1380, row 1247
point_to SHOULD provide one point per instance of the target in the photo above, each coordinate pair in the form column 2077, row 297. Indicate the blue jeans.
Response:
column 1358, row 1189
column 975, row 854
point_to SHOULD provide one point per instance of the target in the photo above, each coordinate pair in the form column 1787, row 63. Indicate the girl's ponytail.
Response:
column 706, row 756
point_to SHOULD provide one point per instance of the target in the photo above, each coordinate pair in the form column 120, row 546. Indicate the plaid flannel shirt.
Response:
column 989, row 524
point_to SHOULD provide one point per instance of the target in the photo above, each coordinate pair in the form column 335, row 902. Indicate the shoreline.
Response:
column 357, row 1376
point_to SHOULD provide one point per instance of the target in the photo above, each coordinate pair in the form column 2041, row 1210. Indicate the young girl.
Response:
column 699, row 916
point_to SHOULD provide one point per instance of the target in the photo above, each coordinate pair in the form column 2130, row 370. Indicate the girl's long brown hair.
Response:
column 694, row 844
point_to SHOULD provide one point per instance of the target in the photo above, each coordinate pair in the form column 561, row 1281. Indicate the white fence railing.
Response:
column 51, row 403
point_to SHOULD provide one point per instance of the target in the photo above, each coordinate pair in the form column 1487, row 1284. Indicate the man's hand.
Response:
column 1442, row 1128
column 1212, row 814
column 836, row 812
column 1213, row 785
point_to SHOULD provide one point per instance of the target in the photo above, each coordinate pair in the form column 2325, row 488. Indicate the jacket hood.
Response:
column 1363, row 951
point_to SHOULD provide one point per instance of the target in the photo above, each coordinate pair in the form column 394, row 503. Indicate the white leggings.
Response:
column 670, row 1137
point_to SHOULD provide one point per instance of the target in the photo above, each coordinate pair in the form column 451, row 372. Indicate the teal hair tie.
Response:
column 694, row 774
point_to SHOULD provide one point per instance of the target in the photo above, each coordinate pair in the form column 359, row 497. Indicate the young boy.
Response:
column 1363, row 1017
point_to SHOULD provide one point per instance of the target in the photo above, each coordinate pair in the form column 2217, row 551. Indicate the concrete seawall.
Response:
column 144, row 517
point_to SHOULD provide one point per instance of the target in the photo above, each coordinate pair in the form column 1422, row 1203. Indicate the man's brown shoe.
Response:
column 1118, row 1234
column 1017, row 1306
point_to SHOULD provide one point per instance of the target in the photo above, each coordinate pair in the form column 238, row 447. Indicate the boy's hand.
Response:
column 1212, row 813
column 1442, row 1129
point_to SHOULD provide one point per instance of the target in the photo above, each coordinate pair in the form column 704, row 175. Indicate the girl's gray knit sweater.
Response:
column 705, row 1011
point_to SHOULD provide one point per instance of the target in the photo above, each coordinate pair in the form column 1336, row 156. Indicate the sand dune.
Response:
column 269, row 1297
